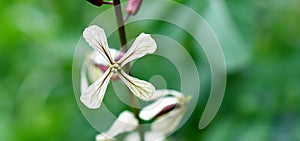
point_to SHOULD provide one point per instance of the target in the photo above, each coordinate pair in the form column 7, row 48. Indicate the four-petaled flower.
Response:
column 166, row 110
column 93, row 95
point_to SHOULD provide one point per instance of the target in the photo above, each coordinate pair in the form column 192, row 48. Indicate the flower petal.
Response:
column 158, row 94
column 149, row 136
column 93, row 95
column 98, row 58
column 134, row 136
column 143, row 45
column 104, row 137
column 93, row 71
column 155, row 108
column 139, row 88
column 83, row 80
column 163, row 92
column 96, row 38
column 154, row 136
column 126, row 122
column 168, row 122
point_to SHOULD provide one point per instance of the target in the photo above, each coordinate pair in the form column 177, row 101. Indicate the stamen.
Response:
column 115, row 67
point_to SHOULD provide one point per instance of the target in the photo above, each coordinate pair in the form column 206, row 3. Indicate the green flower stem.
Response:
column 122, row 35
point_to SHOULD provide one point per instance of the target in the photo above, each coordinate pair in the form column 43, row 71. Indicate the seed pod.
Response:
column 133, row 6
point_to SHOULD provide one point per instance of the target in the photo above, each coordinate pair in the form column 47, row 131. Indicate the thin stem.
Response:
column 122, row 35
column 140, row 128
column 126, row 17
column 120, row 22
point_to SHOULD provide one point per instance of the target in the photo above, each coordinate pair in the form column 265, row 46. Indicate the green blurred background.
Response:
column 261, row 44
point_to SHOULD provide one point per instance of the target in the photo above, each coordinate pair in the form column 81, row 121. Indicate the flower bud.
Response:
column 133, row 6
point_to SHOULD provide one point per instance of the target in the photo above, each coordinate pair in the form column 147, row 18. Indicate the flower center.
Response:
column 115, row 67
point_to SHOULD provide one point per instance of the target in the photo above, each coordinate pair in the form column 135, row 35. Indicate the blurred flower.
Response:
column 149, row 136
column 167, row 110
column 103, row 137
column 126, row 122
column 93, row 95
column 133, row 6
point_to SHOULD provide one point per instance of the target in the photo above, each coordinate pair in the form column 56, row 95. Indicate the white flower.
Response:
column 93, row 95
column 126, row 122
column 149, row 136
column 167, row 111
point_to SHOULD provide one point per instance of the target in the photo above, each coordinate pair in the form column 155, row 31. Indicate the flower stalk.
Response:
column 123, row 41
column 120, row 22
